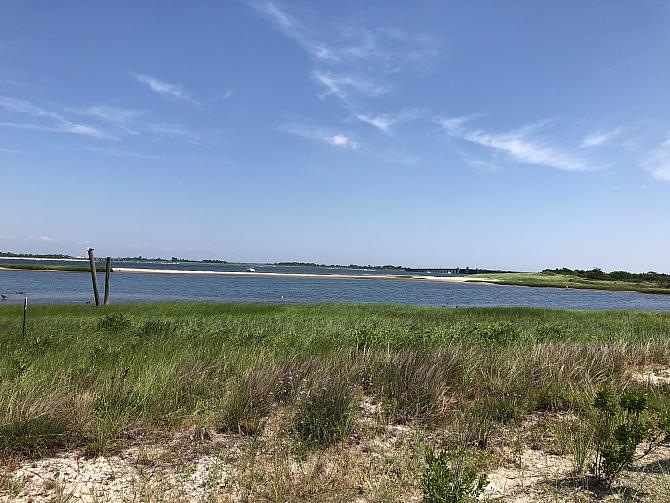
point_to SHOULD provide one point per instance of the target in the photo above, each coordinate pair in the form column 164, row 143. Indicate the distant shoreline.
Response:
column 406, row 277
column 139, row 270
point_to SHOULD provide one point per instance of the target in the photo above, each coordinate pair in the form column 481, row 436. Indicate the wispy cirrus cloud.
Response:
column 164, row 88
column 388, row 49
column 519, row 145
column 324, row 135
column 10, row 151
column 173, row 130
column 597, row 138
column 351, row 60
column 114, row 115
column 658, row 161
column 385, row 122
column 53, row 121
column 341, row 85
column 120, row 153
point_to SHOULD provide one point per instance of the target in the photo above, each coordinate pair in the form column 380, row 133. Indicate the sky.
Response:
column 514, row 135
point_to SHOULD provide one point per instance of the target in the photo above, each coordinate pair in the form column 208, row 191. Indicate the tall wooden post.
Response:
column 94, row 277
column 108, row 270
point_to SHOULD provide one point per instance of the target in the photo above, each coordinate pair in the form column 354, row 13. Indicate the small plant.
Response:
column 324, row 412
column 114, row 323
column 446, row 480
column 620, row 427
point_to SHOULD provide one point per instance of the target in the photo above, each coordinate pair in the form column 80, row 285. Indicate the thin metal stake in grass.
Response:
column 25, row 311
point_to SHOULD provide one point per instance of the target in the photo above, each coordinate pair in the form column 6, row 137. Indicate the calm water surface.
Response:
column 65, row 287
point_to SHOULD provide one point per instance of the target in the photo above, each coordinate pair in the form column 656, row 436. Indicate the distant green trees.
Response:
column 656, row 278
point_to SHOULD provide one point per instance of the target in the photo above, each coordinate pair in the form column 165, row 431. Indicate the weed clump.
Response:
column 412, row 383
column 619, row 429
column 325, row 411
column 32, row 436
column 114, row 323
column 450, row 479
column 156, row 327
column 248, row 402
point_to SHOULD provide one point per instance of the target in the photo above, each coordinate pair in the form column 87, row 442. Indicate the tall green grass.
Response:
column 94, row 377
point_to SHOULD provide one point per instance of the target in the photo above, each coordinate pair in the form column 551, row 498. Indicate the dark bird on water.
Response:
column 21, row 293
column 3, row 296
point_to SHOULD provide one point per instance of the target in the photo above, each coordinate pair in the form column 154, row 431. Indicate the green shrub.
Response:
column 620, row 427
column 446, row 480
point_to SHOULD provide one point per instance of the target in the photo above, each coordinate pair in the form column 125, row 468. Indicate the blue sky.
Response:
column 516, row 134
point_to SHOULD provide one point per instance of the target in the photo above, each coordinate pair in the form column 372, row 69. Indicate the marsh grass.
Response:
column 557, row 280
column 325, row 410
column 96, row 378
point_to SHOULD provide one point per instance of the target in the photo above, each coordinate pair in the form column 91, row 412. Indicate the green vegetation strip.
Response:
column 558, row 280
column 95, row 377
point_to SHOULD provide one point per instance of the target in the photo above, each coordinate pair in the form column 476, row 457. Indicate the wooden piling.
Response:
column 108, row 271
column 94, row 277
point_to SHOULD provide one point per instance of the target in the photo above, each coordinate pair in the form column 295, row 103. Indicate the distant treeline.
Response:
column 36, row 255
column 350, row 266
column 140, row 258
column 656, row 278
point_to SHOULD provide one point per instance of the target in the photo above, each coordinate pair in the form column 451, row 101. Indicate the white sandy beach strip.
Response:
column 444, row 279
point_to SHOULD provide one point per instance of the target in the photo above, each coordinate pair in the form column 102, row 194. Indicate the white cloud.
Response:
column 320, row 134
column 173, row 130
column 385, row 122
column 64, row 127
column 164, row 88
column 114, row 115
column 293, row 29
column 452, row 124
column 658, row 162
column 518, row 146
column 56, row 122
column 120, row 153
column 343, row 53
column 598, row 138
column 341, row 85
column 276, row 14
column 10, row 151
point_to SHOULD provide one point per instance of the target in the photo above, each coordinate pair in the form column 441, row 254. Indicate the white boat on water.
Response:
column 250, row 269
